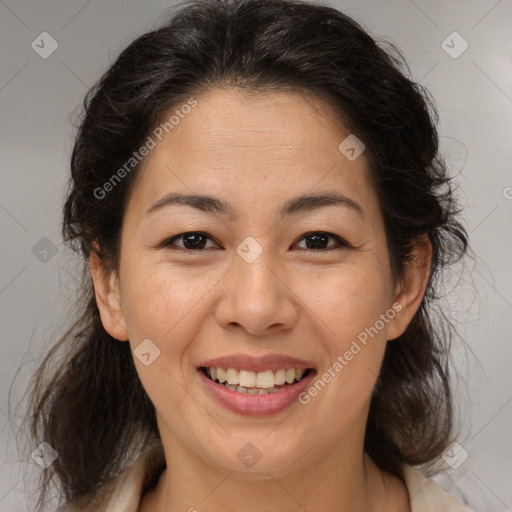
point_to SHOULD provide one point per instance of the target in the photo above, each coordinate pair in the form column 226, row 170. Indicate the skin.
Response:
column 256, row 151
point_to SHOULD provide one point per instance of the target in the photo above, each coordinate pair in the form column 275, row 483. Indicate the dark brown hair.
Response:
column 88, row 402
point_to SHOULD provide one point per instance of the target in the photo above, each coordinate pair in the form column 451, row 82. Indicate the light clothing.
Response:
column 123, row 494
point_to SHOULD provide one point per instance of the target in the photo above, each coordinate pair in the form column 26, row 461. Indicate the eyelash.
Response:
column 342, row 244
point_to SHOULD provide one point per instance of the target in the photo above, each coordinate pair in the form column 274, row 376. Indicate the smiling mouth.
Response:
column 255, row 383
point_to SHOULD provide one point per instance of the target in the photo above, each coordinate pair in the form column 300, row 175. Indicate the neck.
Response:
column 343, row 480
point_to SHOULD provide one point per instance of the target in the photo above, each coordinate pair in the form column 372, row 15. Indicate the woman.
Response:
column 258, row 196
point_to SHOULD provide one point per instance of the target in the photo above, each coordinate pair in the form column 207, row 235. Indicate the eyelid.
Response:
column 168, row 241
column 341, row 242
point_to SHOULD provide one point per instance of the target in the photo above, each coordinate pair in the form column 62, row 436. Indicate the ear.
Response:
column 108, row 297
column 411, row 288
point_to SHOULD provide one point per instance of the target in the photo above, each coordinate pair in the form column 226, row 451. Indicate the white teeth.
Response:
column 221, row 375
column 232, row 376
column 266, row 379
column 290, row 376
column 247, row 379
column 280, row 377
column 255, row 383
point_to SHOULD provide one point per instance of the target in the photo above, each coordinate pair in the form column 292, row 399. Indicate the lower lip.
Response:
column 257, row 405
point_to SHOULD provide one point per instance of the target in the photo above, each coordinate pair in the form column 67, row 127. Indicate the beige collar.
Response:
column 427, row 496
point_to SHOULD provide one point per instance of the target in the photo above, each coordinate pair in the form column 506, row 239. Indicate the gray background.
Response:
column 473, row 94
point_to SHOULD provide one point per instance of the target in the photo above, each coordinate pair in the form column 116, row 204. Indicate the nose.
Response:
column 257, row 297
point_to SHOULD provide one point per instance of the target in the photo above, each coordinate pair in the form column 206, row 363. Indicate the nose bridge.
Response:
column 255, row 265
column 256, row 296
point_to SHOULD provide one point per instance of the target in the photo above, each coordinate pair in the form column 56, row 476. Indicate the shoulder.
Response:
column 123, row 493
column 427, row 496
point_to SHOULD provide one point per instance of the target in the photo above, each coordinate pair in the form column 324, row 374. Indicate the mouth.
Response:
column 252, row 385
column 249, row 382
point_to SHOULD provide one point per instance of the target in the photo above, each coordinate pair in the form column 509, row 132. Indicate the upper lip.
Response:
column 257, row 364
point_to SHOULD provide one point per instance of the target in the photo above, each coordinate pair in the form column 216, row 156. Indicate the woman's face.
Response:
column 255, row 288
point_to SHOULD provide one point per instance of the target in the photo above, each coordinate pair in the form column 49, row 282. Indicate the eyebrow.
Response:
column 295, row 206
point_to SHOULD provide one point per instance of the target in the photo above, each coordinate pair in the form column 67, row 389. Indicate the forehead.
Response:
column 259, row 146
column 235, row 121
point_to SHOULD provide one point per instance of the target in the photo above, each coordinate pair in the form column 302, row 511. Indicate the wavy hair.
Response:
column 86, row 399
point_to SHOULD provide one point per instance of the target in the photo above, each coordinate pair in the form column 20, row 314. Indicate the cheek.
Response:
column 153, row 298
column 348, row 300
column 353, row 305
column 153, row 307
column 346, row 382
column 165, row 305
column 146, row 303
column 159, row 307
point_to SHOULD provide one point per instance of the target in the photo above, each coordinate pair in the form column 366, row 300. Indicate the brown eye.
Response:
column 192, row 241
column 319, row 241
